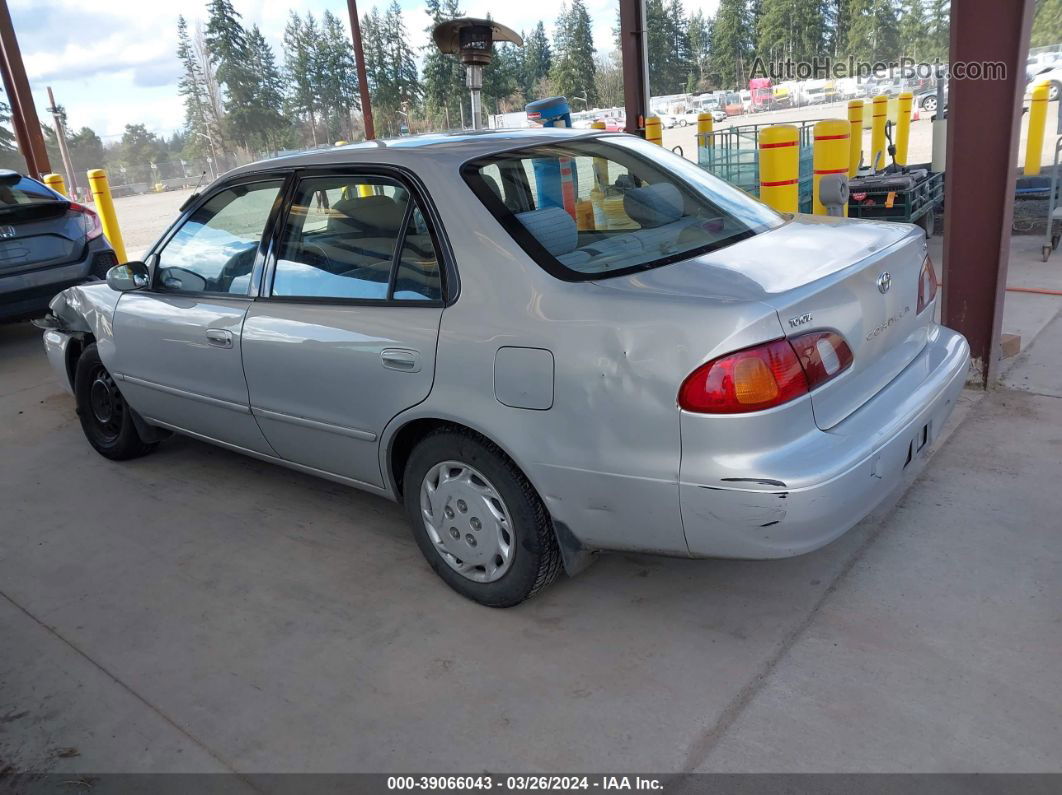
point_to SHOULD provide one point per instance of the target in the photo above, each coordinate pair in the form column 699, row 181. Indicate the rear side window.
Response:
column 607, row 206
column 356, row 238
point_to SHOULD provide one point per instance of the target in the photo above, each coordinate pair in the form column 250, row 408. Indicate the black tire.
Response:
column 536, row 560
column 105, row 417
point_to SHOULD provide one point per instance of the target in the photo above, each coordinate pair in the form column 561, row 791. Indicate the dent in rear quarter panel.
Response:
column 605, row 457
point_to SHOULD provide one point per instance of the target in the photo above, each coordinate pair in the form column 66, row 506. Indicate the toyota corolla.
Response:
column 544, row 344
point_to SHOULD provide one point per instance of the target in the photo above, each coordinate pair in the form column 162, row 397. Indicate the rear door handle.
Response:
column 219, row 337
column 403, row 359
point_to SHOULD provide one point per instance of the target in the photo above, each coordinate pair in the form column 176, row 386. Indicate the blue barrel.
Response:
column 549, row 112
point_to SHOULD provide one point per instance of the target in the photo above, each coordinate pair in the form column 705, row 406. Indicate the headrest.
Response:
column 653, row 205
column 369, row 216
column 493, row 185
column 553, row 228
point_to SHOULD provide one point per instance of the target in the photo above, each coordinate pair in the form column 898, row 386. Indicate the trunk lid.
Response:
column 820, row 273
column 38, row 235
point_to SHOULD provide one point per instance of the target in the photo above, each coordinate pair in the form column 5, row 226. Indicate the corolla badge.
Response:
column 884, row 282
column 800, row 320
column 7, row 231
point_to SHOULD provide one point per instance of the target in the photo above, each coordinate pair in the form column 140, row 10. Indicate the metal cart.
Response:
column 1054, row 211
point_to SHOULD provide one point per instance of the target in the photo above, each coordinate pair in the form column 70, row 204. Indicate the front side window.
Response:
column 607, row 206
column 356, row 238
column 214, row 250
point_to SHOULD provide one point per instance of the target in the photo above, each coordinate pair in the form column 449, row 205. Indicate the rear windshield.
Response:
column 608, row 206
column 24, row 192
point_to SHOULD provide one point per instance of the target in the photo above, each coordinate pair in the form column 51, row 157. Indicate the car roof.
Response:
column 456, row 147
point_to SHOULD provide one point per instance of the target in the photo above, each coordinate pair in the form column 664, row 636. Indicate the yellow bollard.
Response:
column 340, row 143
column 101, row 195
column 55, row 182
column 598, row 125
column 830, row 156
column 903, row 127
column 1034, row 141
column 877, row 131
column 365, row 191
column 855, row 135
column 654, row 132
column 780, row 168
column 705, row 127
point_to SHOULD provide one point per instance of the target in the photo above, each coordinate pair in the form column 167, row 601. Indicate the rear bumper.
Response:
column 795, row 498
column 27, row 294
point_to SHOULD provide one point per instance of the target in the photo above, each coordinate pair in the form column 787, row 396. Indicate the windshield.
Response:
column 607, row 206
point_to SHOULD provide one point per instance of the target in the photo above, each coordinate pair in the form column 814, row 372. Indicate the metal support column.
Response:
column 23, row 113
column 981, row 170
column 635, row 56
column 359, row 60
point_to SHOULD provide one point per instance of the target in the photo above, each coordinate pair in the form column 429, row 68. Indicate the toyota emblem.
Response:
column 884, row 282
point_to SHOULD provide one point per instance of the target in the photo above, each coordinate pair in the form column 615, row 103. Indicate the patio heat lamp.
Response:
column 472, row 41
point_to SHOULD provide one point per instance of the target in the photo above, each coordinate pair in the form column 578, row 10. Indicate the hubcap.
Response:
column 106, row 403
column 467, row 521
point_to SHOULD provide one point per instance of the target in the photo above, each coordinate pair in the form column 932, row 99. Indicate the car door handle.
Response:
column 404, row 359
column 219, row 337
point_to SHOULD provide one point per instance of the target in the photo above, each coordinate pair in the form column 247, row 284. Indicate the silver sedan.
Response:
column 544, row 344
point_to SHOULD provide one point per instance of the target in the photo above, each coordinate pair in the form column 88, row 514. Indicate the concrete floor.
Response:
column 199, row 611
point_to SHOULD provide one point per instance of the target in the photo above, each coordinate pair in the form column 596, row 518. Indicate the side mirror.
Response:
column 130, row 276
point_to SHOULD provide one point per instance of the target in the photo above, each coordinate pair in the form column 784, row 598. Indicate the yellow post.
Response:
column 1034, row 141
column 855, row 135
column 705, row 127
column 654, row 132
column 598, row 125
column 55, row 182
column 877, row 131
column 365, row 190
column 903, row 127
column 101, row 195
column 780, row 167
column 340, row 143
column 830, row 156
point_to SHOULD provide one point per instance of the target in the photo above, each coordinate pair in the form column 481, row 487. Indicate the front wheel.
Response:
column 929, row 104
column 478, row 521
column 105, row 417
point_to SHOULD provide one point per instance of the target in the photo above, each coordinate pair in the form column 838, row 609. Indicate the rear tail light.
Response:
column 89, row 220
column 927, row 285
column 765, row 376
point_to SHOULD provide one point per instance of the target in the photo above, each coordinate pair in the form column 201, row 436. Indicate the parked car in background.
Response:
column 47, row 243
column 670, row 120
column 537, row 367
column 1053, row 78
column 927, row 100
column 1041, row 62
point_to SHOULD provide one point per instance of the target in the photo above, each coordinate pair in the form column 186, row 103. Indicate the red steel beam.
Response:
column 359, row 60
column 635, row 64
column 981, row 171
column 21, row 98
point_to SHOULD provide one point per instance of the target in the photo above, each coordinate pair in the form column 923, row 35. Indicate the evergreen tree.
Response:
column 301, row 100
column 1047, row 24
column 502, row 89
column 913, row 39
column 192, row 87
column 699, row 41
column 938, row 25
column 872, row 32
column 573, row 68
column 444, row 79
column 536, row 62
column 267, row 100
column 338, row 89
column 230, row 54
column 791, row 29
column 732, row 43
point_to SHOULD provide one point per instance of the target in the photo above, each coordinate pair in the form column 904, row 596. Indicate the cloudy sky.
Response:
column 112, row 62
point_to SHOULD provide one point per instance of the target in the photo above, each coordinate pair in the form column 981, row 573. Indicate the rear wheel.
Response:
column 105, row 417
column 929, row 104
column 478, row 521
